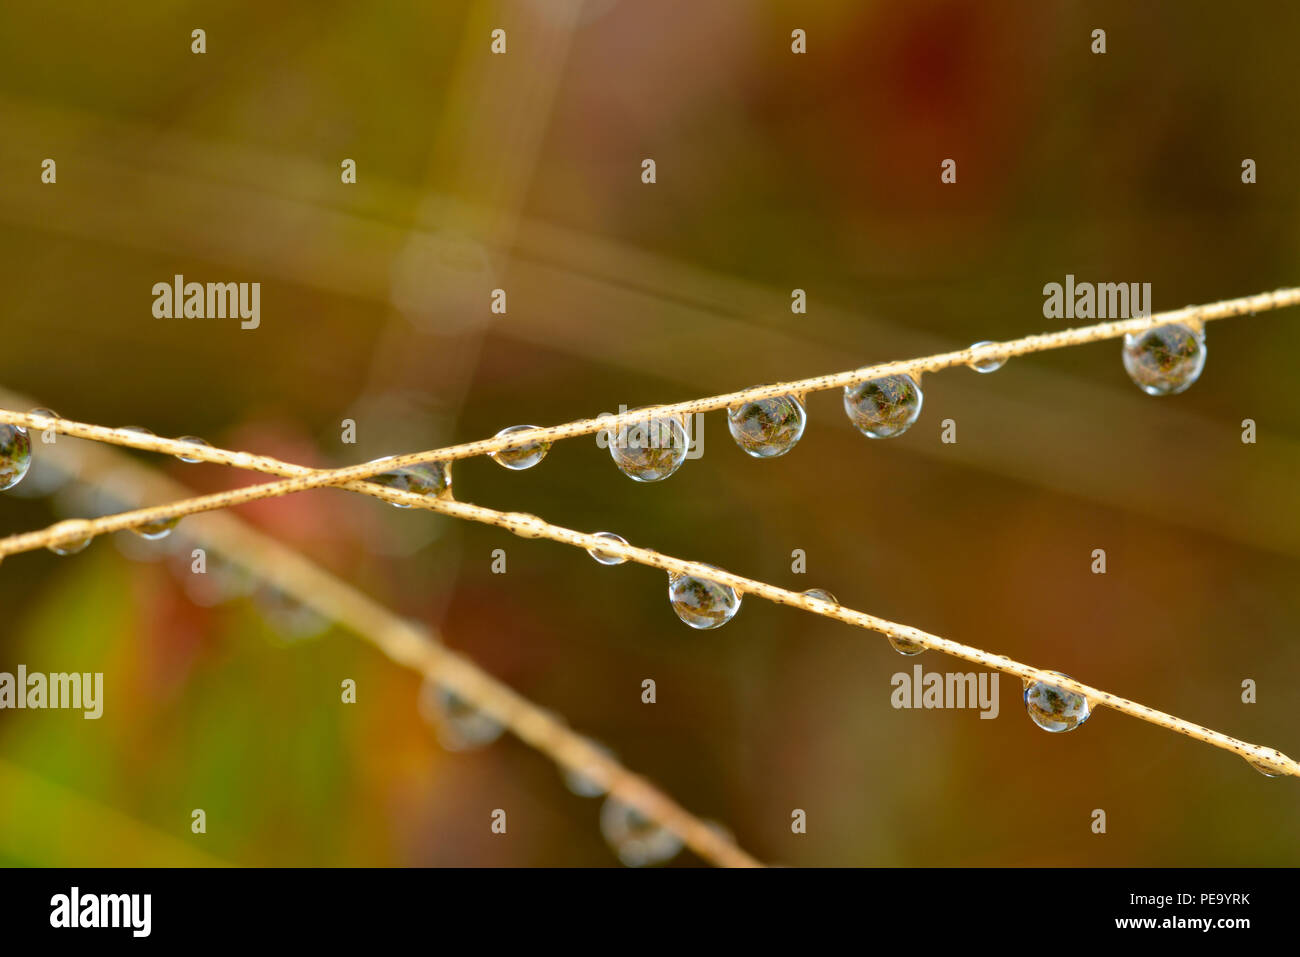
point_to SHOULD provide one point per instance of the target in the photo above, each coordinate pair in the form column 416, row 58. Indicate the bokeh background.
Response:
column 775, row 171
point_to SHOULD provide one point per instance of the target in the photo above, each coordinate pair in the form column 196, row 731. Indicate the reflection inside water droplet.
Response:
column 605, row 558
column 153, row 531
column 767, row 428
column 636, row 839
column 701, row 603
column 460, row 726
column 1053, row 708
column 15, row 455
column 1165, row 360
column 524, row 457
column 988, row 365
column 192, row 440
column 426, row 478
column 884, row 407
column 649, row 451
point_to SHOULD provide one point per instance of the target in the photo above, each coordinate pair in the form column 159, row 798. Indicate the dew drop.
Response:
column 766, row 428
column 823, row 594
column 137, row 428
column 426, row 478
column 588, row 782
column 1053, row 708
column 702, row 603
column 1263, row 769
column 884, row 407
column 153, row 531
column 48, row 413
column 988, row 365
column 636, row 839
column 1165, row 360
column 460, row 725
column 74, row 546
column 15, row 455
column 651, row 450
column 605, row 558
column 192, row 440
column 904, row 646
column 524, row 457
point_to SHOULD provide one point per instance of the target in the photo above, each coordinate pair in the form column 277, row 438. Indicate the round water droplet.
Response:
column 460, row 725
column 766, row 428
column 587, row 783
column 883, row 407
column 649, row 451
column 823, row 594
column 426, row 478
column 1165, row 360
column 192, row 440
column 76, row 544
column 636, row 839
column 524, row 457
column 988, row 365
column 605, row 558
column 1053, row 708
column 152, row 531
column 904, row 646
column 15, row 455
column 137, row 428
column 702, row 603
column 1264, row 769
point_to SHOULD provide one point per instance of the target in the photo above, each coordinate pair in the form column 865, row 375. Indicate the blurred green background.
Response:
column 775, row 172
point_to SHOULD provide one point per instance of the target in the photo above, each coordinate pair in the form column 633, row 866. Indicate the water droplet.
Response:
column 883, row 407
column 636, row 839
column 460, row 725
column 524, row 457
column 74, row 546
column 1165, row 360
column 605, row 558
column 904, row 646
column 588, row 783
column 15, row 455
column 426, row 478
column 192, row 440
column 702, row 603
column 823, row 594
column 649, row 451
column 137, row 428
column 152, row 531
column 988, row 365
column 766, row 428
column 1264, row 769
column 1053, row 708
column 48, row 413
